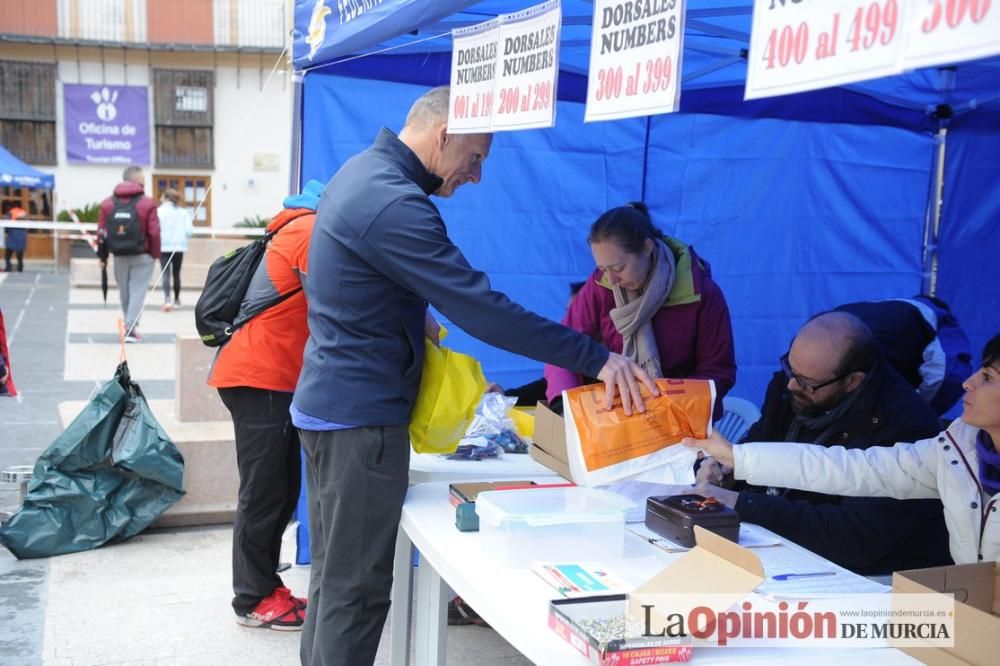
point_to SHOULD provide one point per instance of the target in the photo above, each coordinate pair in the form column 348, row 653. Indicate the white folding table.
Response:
column 515, row 601
column 428, row 468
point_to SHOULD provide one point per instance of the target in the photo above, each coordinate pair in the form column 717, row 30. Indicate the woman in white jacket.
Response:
column 175, row 229
column 961, row 466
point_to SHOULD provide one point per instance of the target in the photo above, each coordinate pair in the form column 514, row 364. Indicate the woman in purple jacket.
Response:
column 652, row 299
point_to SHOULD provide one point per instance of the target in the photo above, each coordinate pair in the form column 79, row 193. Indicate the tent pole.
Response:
column 932, row 222
column 295, row 165
column 935, row 196
column 942, row 113
column 645, row 161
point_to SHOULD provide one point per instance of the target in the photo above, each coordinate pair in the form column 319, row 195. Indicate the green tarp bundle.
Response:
column 110, row 474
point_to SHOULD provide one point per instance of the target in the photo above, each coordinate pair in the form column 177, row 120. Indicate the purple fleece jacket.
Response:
column 695, row 339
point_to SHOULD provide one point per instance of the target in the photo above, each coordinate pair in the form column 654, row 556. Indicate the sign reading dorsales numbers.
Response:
column 948, row 31
column 473, row 75
column 798, row 45
column 635, row 58
column 527, row 68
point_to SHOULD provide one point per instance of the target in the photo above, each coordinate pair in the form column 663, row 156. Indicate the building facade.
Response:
column 197, row 92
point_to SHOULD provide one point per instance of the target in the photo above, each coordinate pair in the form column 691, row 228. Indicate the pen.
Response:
column 789, row 576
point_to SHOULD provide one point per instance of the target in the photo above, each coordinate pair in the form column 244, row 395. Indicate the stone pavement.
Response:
column 162, row 597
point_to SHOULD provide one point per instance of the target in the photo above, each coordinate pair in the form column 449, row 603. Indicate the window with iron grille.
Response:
column 28, row 110
column 184, row 109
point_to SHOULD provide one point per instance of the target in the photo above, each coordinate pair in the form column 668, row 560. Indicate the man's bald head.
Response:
column 833, row 351
column 848, row 341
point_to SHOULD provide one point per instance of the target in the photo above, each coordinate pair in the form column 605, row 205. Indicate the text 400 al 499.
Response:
column 870, row 26
column 652, row 76
column 473, row 106
column 522, row 99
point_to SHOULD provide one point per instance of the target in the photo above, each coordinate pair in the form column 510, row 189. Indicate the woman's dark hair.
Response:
column 626, row 226
column 991, row 352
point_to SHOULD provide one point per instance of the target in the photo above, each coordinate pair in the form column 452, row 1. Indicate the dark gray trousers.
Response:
column 356, row 479
column 267, row 456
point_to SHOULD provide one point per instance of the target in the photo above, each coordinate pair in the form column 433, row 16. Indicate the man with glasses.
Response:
column 836, row 389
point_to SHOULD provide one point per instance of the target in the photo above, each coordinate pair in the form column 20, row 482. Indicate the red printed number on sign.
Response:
column 658, row 73
column 609, row 83
column 874, row 24
column 510, row 99
column 954, row 12
column 786, row 45
column 543, row 96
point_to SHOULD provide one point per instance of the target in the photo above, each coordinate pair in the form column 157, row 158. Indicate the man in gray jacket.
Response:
column 379, row 254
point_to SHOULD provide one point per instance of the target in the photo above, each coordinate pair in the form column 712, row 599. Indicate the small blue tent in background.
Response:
column 15, row 173
column 800, row 202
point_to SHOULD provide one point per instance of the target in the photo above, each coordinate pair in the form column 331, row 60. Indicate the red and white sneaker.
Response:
column 279, row 611
column 300, row 602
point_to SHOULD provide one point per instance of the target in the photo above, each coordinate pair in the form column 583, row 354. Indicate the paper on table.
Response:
column 580, row 579
column 841, row 582
column 779, row 561
column 750, row 537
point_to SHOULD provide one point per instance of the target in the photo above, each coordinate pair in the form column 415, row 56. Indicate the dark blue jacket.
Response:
column 379, row 253
column 15, row 239
column 865, row 534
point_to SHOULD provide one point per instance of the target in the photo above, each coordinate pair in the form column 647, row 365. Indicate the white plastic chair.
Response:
column 738, row 415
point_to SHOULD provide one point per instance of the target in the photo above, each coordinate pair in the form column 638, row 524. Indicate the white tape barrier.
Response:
column 92, row 227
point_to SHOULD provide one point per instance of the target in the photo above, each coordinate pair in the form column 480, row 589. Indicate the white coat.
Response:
column 176, row 227
column 944, row 466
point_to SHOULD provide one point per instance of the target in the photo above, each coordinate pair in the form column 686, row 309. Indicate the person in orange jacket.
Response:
column 255, row 374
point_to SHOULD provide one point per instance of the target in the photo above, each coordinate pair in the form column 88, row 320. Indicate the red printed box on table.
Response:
column 576, row 620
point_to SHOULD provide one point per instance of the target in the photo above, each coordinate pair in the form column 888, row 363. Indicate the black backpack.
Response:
column 124, row 229
column 221, row 309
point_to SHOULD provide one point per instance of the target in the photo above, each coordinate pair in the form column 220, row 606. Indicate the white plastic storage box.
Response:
column 520, row 526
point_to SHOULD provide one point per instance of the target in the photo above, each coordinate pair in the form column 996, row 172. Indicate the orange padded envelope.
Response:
column 609, row 438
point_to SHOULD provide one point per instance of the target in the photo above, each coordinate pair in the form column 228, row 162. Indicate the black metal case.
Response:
column 674, row 517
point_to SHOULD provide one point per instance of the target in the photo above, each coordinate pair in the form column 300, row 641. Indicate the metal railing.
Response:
column 199, row 24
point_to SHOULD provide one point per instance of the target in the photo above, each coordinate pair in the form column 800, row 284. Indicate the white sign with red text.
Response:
column 947, row 31
column 527, row 68
column 798, row 45
column 473, row 75
column 635, row 59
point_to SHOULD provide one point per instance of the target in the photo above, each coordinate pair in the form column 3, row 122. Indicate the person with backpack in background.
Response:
column 176, row 226
column 255, row 373
column 128, row 228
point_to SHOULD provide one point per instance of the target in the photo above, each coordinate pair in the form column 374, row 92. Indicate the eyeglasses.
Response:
column 806, row 386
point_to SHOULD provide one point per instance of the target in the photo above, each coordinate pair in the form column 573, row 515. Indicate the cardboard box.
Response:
column 567, row 617
column 977, row 611
column 549, row 447
column 714, row 566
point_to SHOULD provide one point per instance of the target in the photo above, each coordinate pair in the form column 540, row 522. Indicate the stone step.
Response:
column 87, row 273
column 196, row 401
column 211, row 479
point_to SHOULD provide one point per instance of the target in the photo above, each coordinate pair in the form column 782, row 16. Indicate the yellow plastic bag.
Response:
column 450, row 388
column 524, row 421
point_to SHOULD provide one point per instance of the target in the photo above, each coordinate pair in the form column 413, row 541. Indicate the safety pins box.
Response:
column 976, row 590
column 632, row 629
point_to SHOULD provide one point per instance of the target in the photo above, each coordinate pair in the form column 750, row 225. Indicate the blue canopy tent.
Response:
column 799, row 202
column 15, row 173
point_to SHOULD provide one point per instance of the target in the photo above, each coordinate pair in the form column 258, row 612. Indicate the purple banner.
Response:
column 107, row 124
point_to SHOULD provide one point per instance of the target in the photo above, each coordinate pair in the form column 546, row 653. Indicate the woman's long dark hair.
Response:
column 628, row 227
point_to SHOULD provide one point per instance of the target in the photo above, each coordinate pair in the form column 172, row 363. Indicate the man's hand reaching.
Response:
column 622, row 376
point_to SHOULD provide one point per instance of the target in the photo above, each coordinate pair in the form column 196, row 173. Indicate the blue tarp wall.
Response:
column 799, row 203
column 794, row 216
